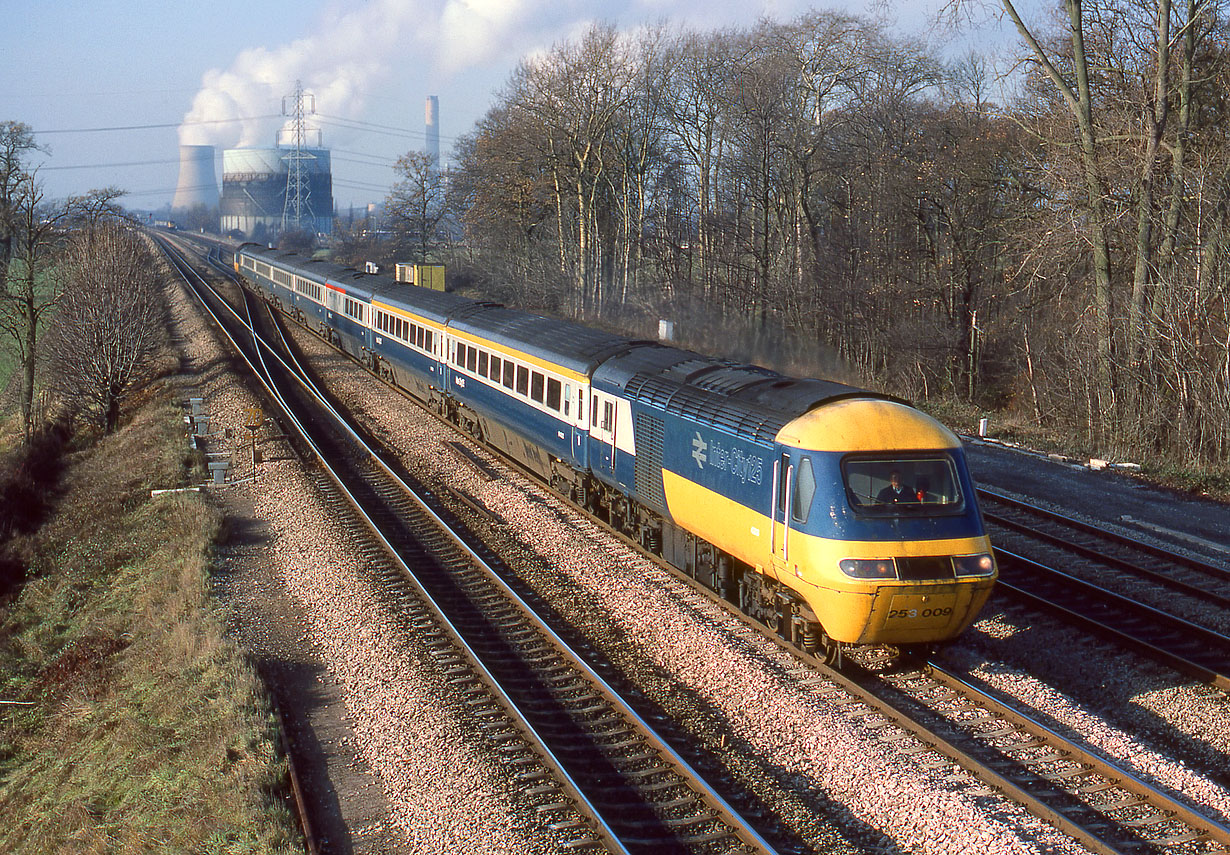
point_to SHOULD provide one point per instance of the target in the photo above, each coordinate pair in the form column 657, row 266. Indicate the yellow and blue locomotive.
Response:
column 779, row 493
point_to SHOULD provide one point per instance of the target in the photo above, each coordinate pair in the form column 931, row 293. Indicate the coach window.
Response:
column 508, row 373
column 567, row 396
column 804, row 491
column 482, row 363
column 472, row 359
column 536, row 386
column 553, row 393
column 523, row 380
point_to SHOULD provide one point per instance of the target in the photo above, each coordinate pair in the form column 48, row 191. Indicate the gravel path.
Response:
column 432, row 793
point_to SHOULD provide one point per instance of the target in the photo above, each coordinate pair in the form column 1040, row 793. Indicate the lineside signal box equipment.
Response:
column 423, row 275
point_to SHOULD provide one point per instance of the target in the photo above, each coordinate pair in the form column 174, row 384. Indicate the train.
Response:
column 838, row 516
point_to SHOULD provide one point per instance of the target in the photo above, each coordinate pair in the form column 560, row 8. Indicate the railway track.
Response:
column 1099, row 803
column 1185, row 646
column 600, row 774
column 1116, row 586
column 938, row 718
column 1183, row 574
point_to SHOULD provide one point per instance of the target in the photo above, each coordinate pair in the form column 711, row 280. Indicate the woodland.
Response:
column 1043, row 239
column 834, row 199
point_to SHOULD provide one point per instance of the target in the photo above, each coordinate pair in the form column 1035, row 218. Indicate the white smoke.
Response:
column 356, row 47
column 339, row 64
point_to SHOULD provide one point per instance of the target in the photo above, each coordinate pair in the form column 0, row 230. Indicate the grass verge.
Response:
column 142, row 727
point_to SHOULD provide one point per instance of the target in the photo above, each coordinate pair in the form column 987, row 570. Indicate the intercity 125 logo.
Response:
column 698, row 451
column 730, row 459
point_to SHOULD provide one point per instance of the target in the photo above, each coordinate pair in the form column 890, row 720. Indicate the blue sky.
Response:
column 137, row 68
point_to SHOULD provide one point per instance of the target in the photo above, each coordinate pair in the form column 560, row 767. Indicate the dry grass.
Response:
column 149, row 731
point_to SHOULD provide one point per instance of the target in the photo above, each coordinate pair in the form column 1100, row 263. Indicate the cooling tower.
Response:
column 433, row 128
column 197, row 184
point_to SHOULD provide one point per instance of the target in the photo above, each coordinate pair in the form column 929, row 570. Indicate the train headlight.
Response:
column 868, row 568
column 974, row 565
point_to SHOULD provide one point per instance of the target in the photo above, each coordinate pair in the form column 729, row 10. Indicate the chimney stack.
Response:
column 433, row 129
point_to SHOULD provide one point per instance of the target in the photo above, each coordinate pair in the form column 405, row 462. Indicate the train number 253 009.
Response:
column 941, row 611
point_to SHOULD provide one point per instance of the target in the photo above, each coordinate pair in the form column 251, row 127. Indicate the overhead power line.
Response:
column 390, row 130
column 108, row 165
column 155, row 127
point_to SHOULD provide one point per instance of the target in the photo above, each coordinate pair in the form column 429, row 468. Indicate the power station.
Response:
column 285, row 187
column 433, row 130
column 254, row 190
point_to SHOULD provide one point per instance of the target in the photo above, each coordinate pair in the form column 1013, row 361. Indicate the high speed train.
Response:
column 837, row 515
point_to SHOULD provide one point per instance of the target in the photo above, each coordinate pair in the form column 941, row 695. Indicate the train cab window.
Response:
column 536, row 386
column 553, row 393
column 783, row 472
column 804, row 490
column 482, row 363
column 523, row 380
column 925, row 486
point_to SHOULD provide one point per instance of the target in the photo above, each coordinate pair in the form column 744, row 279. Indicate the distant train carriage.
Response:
column 410, row 338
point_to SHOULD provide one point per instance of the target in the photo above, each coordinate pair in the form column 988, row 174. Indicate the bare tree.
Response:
column 415, row 208
column 109, row 324
column 16, row 142
column 579, row 93
column 29, row 294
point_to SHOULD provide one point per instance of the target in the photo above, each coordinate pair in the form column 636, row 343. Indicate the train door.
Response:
column 779, row 526
column 794, row 489
column 602, row 425
column 574, row 397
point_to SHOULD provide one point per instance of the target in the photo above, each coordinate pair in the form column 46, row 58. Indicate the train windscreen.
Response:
column 891, row 486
